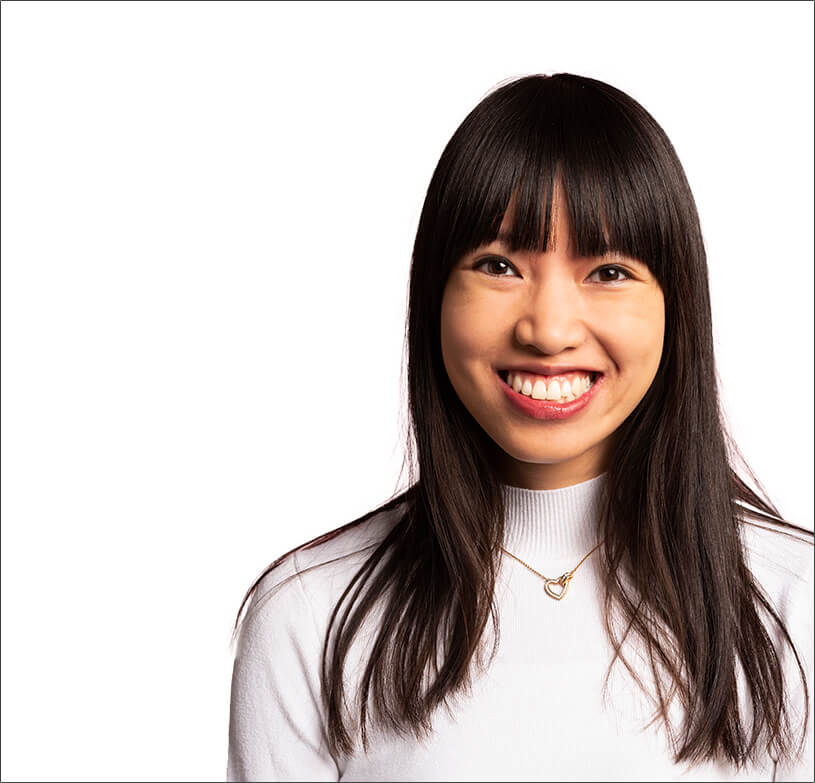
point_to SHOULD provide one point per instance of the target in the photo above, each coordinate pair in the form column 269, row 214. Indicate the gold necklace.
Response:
column 563, row 580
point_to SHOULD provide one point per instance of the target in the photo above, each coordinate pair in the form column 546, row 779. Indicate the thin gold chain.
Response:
column 563, row 579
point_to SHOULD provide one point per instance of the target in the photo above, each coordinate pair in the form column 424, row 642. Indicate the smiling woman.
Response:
column 565, row 418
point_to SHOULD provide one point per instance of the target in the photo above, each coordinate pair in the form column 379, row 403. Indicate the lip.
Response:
column 548, row 409
column 548, row 369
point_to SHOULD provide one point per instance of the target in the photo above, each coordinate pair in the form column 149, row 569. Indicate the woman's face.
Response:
column 531, row 309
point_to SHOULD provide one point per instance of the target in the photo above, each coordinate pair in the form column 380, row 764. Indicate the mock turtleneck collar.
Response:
column 547, row 524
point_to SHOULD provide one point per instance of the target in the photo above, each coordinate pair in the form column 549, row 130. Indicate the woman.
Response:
column 574, row 588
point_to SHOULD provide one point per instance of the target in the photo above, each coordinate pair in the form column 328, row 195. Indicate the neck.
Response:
column 553, row 524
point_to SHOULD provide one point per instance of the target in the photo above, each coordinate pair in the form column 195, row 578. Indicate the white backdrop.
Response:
column 195, row 379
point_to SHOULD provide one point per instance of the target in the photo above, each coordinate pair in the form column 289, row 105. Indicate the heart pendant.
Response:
column 563, row 581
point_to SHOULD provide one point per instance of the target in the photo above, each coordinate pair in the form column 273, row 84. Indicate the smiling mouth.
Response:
column 551, row 388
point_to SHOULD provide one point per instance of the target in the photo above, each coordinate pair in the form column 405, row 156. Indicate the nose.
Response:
column 551, row 316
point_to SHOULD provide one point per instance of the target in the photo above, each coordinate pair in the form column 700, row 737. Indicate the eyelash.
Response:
column 493, row 259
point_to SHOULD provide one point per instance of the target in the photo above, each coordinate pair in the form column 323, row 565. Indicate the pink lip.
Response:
column 548, row 409
column 548, row 369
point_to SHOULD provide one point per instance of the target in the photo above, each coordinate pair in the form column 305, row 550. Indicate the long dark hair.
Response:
column 671, row 517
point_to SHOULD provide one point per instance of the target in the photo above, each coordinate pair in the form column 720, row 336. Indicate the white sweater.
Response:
column 538, row 713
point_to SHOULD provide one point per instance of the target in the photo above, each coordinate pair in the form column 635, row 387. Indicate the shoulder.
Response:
column 300, row 592
column 782, row 562
column 276, row 718
column 353, row 542
column 782, row 558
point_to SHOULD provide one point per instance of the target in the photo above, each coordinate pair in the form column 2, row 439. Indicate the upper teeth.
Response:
column 537, row 388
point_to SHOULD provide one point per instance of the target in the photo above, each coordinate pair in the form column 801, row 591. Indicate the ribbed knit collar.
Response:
column 553, row 524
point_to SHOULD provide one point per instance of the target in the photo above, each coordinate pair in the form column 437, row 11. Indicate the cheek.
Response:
column 656, row 330
column 463, row 331
column 450, row 338
column 648, row 334
column 634, row 337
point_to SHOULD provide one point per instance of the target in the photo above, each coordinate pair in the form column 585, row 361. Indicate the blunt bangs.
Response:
column 604, row 150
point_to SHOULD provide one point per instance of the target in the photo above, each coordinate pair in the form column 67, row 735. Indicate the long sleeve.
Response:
column 276, row 728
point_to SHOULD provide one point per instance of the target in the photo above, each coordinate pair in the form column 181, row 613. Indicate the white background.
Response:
column 208, row 212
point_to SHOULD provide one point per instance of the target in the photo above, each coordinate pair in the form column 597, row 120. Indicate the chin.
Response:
column 541, row 455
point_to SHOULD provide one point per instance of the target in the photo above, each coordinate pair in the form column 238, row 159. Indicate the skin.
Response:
column 552, row 307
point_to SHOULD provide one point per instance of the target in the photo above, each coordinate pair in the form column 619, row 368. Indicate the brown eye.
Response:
column 616, row 270
column 494, row 262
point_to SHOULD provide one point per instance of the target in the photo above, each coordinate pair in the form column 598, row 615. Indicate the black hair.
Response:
column 675, row 500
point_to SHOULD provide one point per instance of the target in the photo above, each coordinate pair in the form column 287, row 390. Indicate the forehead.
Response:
column 557, row 221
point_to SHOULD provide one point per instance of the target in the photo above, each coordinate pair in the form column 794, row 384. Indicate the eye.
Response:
column 612, row 268
column 620, row 274
column 494, row 260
